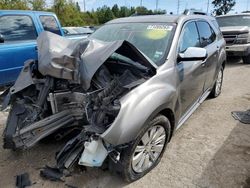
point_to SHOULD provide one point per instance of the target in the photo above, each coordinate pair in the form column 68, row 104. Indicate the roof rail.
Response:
column 193, row 12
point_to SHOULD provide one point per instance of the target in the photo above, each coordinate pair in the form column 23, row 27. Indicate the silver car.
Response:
column 120, row 94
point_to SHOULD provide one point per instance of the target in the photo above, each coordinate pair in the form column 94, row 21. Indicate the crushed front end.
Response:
column 74, row 87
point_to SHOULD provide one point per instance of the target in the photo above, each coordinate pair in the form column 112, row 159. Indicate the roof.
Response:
column 24, row 12
column 148, row 18
column 158, row 18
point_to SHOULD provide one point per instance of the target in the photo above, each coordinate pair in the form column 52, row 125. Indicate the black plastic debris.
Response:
column 242, row 116
column 23, row 180
column 52, row 174
column 71, row 151
column 70, row 186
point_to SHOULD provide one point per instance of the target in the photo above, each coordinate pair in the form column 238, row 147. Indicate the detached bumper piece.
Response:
column 15, row 137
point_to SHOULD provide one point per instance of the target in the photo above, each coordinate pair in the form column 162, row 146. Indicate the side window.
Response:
column 189, row 37
column 207, row 34
column 17, row 28
column 49, row 24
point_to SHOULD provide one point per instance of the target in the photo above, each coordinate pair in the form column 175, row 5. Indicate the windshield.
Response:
column 153, row 39
column 239, row 20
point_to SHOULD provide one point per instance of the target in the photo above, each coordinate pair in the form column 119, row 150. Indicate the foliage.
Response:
column 37, row 4
column 69, row 12
column 14, row 4
column 223, row 6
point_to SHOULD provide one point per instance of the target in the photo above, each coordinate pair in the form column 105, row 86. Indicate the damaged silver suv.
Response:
column 119, row 95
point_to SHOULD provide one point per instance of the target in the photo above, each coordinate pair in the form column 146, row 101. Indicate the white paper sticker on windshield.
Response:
column 160, row 27
column 246, row 17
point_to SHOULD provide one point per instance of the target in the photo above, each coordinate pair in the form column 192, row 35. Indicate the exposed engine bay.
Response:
column 74, row 87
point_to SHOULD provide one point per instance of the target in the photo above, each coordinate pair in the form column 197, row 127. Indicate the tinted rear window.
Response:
column 17, row 28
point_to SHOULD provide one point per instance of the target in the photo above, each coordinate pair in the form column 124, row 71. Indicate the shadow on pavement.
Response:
column 235, row 62
column 230, row 166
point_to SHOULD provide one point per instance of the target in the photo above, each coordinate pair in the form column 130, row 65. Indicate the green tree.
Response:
column 124, row 11
column 38, row 4
column 67, row 12
column 104, row 14
column 89, row 18
column 143, row 11
column 14, row 4
column 115, row 9
column 58, row 7
column 223, row 6
column 78, row 7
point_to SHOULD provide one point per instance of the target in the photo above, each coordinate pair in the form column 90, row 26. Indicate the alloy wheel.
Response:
column 149, row 148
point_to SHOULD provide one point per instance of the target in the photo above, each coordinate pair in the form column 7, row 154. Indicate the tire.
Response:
column 216, row 91
column 159, row 126
column 246, row 59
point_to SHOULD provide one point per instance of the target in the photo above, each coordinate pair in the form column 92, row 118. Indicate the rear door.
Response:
column 50, row 23
column 191, row 73
column 209, row 42
column 19, row 33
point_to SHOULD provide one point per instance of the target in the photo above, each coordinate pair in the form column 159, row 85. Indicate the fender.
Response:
column 145, row 101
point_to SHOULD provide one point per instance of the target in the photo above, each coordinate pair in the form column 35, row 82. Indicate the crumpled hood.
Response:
column 79, row 60
column 235, row 30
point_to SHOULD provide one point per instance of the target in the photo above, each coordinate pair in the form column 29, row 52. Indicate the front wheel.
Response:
column 146, row 152
column 216, row 91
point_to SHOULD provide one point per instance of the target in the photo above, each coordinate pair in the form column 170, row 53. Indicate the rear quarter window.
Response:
column 17, row 28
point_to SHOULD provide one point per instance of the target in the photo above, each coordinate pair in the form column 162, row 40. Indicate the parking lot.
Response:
column 210, row 150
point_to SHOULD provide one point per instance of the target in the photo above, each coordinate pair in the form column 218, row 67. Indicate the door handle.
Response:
column 36, row 48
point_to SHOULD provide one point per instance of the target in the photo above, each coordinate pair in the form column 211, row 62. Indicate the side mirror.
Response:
column 1, row 39
column 193, row 54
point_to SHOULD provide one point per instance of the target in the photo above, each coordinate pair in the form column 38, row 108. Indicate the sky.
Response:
column 168, row 5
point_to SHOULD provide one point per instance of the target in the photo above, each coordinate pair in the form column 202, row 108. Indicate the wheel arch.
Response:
column 224, row 64
column 171, row 117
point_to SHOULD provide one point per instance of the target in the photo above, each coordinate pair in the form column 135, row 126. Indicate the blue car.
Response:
column 18, row 32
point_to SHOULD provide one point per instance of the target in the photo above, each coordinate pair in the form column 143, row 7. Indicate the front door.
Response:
column 191, row 73
column 19, row 45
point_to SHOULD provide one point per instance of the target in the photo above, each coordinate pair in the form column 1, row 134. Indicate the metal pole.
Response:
column 141, row 4
column 178, row 6
column 156, row 6
column 208, row 2
column 84, row 6
column 247, row 4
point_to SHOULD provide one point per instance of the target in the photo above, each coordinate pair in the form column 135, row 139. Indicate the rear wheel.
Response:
column 146, row 152
column 216, row 91
column 246, row 59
